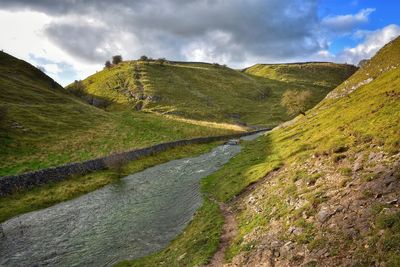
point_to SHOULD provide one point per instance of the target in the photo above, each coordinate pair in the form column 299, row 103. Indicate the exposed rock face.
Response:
column 324, row 214
column 348, row 90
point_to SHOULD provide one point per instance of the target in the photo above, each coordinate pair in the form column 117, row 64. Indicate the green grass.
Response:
column 46, row 126
column 50, row 194
column 369, row 116
column 345, row 123
column 384, row 244
column 214, row 93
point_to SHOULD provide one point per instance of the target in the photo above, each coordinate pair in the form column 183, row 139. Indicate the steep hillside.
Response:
column 43, row 125
column 322, row 190
column 212, row 92
column 330, row 197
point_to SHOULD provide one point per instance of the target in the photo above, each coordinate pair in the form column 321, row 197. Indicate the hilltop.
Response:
column 43, row 125
column 212, row 92
column 320, row 190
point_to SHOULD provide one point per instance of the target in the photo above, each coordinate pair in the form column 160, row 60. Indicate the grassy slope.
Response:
column 45, row 126
column 318, row 154
column 205, row 91
column 314, row 157
column 367, row 118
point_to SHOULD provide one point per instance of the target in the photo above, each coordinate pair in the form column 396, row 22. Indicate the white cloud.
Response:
column 22, row 35
column 346, row 23
column 228, row 32
column 72, row 39
column 373, row 41
column 52, row 69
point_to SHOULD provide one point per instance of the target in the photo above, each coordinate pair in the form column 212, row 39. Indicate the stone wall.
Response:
column 9, row 184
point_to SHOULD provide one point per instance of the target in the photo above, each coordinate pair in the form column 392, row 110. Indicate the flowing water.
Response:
column 136, row 216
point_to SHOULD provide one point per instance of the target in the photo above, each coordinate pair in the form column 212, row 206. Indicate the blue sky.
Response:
column 385, row 13
column 73, row 39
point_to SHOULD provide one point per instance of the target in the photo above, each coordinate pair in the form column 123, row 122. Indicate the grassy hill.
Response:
column 44, row 125
column 213, row 92
column 325, row 186
column 334, row 199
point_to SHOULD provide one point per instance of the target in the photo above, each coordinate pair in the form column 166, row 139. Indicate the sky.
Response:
column 72, row 39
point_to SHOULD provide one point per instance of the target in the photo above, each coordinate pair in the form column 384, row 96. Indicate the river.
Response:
column 138, row 215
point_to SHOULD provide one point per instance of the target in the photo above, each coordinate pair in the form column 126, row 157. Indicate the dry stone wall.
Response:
column 9, row 184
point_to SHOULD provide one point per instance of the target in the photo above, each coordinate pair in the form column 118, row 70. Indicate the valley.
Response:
column 320, row 189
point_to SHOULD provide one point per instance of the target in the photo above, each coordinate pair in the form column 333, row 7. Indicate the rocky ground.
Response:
column 331, row 218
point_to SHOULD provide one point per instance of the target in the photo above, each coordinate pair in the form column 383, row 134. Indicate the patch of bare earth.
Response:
column 229, row 231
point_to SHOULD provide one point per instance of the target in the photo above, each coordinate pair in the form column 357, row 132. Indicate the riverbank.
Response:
column 201, row 238
column 133, row 217
column 48, row 195
column 25, row 181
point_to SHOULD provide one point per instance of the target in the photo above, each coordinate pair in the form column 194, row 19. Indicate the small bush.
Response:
column 108, row 64
column 144, row 58
column 116, row 59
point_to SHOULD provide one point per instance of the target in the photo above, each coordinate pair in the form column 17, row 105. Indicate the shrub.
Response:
column 144, row 58
column 116, row 59
column 295, row 101
column 107, row 65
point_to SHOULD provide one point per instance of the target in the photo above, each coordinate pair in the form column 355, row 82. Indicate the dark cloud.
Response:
column 215, row 30
column 81, row 40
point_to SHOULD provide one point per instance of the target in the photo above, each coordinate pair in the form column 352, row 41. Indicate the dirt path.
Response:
column 229, row 231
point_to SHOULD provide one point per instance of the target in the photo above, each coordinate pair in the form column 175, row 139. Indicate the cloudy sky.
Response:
column 72, row 39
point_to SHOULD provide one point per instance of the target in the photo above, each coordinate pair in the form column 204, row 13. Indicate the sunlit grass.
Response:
column 370, row 115
column 207, row 92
